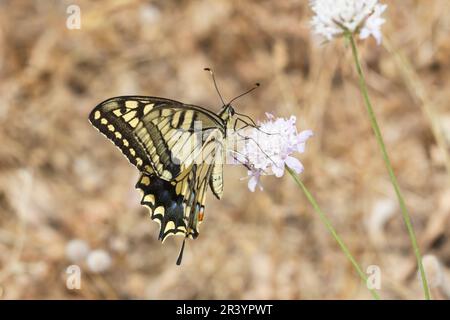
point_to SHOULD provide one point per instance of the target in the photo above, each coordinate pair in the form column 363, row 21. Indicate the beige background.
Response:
column 61, row 180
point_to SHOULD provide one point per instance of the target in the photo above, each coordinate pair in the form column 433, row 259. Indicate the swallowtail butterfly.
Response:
column 177, row 159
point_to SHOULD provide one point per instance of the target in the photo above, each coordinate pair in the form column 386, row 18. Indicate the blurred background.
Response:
column 67, row 194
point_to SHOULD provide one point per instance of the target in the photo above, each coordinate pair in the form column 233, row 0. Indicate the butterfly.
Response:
column 179, row 150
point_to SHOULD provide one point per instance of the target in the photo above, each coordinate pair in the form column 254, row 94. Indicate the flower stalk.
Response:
column 332, row 231
column 376, row 129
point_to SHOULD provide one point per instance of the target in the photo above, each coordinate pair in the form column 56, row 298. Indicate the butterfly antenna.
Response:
column 215, row 83
column 180, row 256
column 246, row 92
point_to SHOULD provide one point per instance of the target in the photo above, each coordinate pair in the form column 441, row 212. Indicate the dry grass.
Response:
column 60, row 179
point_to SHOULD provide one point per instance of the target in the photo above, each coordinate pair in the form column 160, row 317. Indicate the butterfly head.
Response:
column 227, row 112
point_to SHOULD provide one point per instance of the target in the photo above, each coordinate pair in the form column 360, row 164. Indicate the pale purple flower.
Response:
column 332, row 17
column 268, row 149
column 253, row 181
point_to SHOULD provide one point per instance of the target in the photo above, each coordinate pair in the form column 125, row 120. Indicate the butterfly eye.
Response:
column 231, row 110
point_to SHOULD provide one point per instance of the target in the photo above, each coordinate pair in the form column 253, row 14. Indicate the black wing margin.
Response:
column 115, row 118
column 178, row 206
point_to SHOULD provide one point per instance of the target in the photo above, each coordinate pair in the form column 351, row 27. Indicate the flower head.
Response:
column 99, row 261
column 269, row 148
column 333, row 17
column 77, row 250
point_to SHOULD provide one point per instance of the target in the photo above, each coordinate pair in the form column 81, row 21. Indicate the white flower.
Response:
column 269, row 148
column 99, row 261
column 373, row 24
column 149, row 14
column 77, row 250
column 433, row 269
column 332, row 17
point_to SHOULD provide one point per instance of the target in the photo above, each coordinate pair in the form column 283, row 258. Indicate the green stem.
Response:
column 377, row 131
column 333, row 232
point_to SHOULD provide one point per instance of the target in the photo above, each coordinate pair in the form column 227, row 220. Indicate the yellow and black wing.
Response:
column 178, row 206
column 175, row 146
column 156, row 135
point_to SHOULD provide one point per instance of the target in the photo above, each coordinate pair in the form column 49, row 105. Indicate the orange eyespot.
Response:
column 200, row 215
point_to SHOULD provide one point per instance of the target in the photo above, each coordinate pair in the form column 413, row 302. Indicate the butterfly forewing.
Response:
column 115, row 119
column 156, row 135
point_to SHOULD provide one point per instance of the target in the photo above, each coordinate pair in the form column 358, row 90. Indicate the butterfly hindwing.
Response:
column 165, row 205
column 178, row 206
